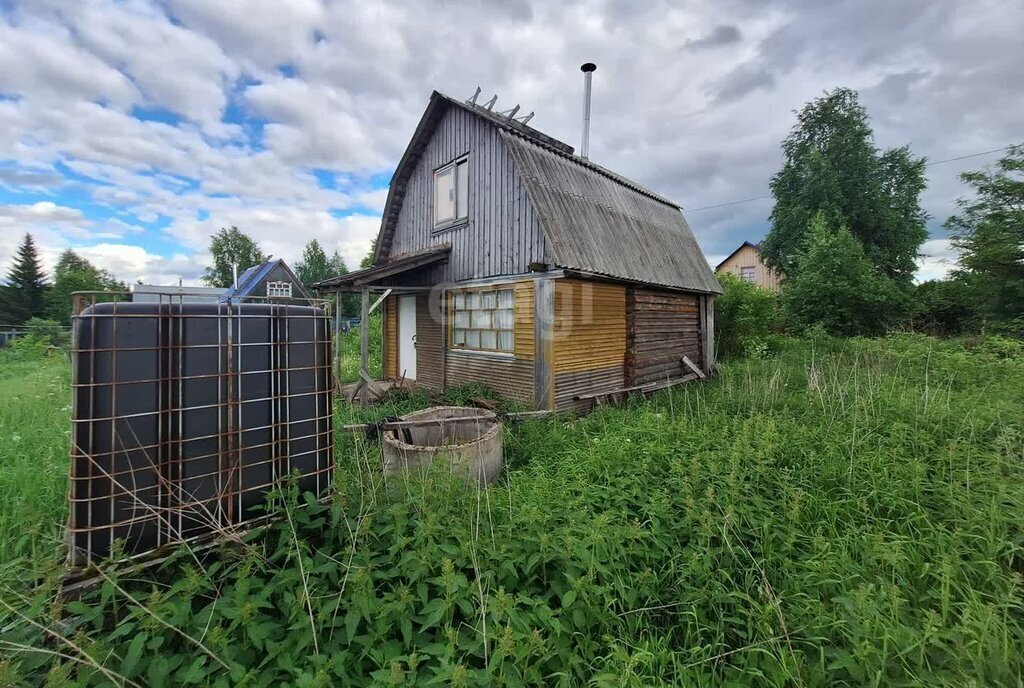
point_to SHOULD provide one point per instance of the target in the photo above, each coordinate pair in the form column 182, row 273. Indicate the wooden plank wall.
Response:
column 428, row 345
column 510, row 377
column 572, row 384
column 663, row 327
column 748, row 256
column 502, row 235
column 390, row 338
column 589, row 325
column 525, row 345
column 589, row 332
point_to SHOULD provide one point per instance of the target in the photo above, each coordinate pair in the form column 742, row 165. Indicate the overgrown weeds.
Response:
column 846, row 512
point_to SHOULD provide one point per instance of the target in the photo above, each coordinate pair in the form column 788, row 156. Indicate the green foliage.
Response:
column 367, row 260
column 847, row 513
column 315, row 266
column 231, row 247
column 833, row 168
column 349, row 350
column 74, row 273
column 943, row 307
column 22, row 297
column 836, row 286
column 745, row 316
column 989, row 231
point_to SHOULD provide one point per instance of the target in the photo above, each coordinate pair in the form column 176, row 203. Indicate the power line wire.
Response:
column 927, row 164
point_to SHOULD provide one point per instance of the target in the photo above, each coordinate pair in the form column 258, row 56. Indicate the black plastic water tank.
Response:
column 186, row 415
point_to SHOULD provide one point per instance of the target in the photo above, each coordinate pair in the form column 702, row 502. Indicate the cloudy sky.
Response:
column 133, row 130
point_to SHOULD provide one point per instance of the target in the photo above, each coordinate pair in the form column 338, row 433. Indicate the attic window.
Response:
column 451, row 192
column 279, row 290
column 747, row 273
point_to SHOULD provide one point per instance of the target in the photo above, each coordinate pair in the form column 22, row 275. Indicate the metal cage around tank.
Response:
column 185, row 416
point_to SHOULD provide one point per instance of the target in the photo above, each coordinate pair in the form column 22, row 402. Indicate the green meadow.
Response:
column 830, row 513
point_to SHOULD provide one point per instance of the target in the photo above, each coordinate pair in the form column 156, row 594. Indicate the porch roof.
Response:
column 395, row 266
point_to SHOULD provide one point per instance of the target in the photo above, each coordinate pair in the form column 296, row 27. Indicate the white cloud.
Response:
column 42, row 212
column 938, row 258
column 696, row 114
column 132, row 263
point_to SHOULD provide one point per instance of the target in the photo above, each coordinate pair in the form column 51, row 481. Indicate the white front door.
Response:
column 407, row 337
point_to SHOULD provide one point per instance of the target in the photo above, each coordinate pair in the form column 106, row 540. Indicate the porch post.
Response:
column 364, row 347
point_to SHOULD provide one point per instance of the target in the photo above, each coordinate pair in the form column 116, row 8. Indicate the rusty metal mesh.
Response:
column 185, row 415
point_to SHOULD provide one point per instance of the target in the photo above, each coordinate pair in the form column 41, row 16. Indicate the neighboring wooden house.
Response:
column 273, row 280
column 745, row 262
column 509, row 261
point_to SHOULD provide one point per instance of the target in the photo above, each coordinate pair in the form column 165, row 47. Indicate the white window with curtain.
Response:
column 279, row 290
column 451, row 192
column 484, row 320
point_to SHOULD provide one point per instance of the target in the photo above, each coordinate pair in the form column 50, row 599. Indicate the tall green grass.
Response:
column 842, row 513
column 34, row 430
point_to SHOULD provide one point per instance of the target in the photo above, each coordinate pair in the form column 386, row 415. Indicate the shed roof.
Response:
column 595, row 221
column 401, row 264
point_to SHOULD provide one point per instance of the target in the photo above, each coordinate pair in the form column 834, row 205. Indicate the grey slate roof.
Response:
column 598, row 222
column 595, row 220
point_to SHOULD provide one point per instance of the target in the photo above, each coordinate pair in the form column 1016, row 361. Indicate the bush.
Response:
column 745, row 317
column 837, row 287
column 50, row 332
column 943, row 308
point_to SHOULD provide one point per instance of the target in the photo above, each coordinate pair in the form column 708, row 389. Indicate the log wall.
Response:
column 662, row 328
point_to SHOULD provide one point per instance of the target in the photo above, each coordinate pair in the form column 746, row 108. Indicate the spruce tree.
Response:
column 23, row 295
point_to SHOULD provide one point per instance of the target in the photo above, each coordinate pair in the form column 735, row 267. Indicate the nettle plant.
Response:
column 845, row 513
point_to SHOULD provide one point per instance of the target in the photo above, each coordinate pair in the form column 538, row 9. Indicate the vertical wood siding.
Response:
column 390, row 338
column 663, row 327
column 748, row 256
column 502, row 235
column 589, row 325
column 428, row 345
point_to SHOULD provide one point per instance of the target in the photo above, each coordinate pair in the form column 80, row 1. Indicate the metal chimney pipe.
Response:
column 588, row 71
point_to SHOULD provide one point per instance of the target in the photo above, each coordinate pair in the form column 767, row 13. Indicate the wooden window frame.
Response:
column 457, row 221
column 277, row 285
column 480, row 350
column 753, row 273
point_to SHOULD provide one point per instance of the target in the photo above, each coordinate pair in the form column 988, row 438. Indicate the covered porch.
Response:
column 413, row 274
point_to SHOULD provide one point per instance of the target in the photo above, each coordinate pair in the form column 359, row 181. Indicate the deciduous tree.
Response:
column 989, row 231
column 74, row 273
column 832, row 168
column 315, row 266
column 836, row 285
column 231, row 247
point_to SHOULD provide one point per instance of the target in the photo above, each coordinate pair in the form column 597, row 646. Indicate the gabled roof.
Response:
column 756, row 247
column 252, row 277
column 595, row 221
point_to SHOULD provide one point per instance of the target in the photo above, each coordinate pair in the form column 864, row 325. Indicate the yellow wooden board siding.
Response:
column 748, row 256
column 525, row 334
column 390, row 338
column 589, row 330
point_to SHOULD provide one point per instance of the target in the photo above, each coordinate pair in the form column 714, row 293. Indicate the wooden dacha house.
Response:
column 505, row 259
